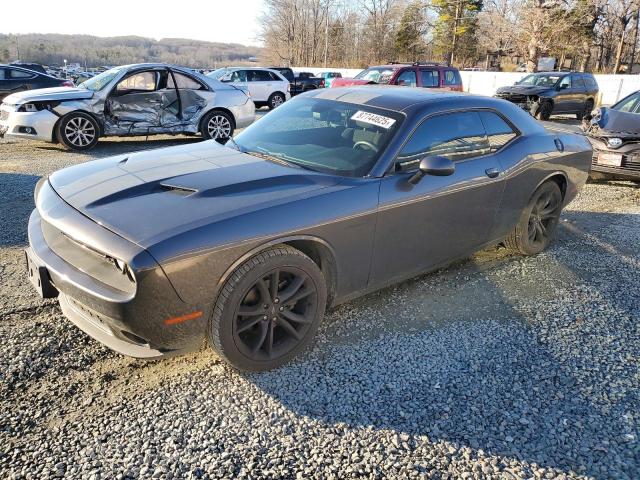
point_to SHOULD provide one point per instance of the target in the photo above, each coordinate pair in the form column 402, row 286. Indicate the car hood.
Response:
column 522, row 90
column 151, row 196
column 46, row 94
column 614, row 122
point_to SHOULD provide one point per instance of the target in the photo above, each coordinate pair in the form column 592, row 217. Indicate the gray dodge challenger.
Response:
column 332, row 195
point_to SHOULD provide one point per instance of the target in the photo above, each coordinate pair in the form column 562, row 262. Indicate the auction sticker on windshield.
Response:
column 373, row 119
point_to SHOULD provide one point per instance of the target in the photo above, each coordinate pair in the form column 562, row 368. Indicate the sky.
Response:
column 229, row 21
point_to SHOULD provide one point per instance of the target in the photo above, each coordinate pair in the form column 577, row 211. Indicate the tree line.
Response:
column 593, row 35
column 54, row 49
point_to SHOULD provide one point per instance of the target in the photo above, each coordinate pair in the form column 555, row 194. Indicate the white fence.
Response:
column 612, row 87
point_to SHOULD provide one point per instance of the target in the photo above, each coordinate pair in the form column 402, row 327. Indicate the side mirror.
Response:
column 437, row 166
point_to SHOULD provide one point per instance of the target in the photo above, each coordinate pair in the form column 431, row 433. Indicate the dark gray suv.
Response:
column 548, row 93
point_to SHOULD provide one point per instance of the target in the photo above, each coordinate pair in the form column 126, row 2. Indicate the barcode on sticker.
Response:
column 373, row 119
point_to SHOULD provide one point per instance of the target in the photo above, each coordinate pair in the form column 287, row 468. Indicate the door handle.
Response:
column 492, row 172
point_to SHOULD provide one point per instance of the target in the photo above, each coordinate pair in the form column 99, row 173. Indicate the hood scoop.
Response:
column 178, row 190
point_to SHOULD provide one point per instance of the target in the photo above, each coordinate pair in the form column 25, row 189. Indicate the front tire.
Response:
column 275, row 100
column 538, row 221
column 217, row 125
column 268, row 310
column 542, row 109
column 78, row 131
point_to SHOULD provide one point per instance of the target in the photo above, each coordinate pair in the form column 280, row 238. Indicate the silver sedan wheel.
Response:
column 80, row 132
column 219, row 127
column 276, row 101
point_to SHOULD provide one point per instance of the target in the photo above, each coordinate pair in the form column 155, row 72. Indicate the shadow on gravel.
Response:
column 550, row 384
column 109, row 146
column 16, row 205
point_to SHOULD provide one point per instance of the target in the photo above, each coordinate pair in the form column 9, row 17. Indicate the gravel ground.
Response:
column 496, row 367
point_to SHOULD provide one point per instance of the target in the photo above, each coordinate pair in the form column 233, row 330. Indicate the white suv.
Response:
column 267, row 87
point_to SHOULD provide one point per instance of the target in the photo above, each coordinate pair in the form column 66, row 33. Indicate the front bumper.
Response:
column 29, row 125
column 132, row 322
column 629, row 167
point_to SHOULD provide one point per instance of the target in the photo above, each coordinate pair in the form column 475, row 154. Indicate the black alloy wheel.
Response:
column 268, row 310
column 538, row 222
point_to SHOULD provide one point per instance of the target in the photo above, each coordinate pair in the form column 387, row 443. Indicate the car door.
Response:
column 442, row 217
column 140, row 103
column 260, row 81
column 192, row 94
column 4, row 83
column 407, row 78
column 18, row 80
column 565, row 97
column 579, row 90
column 429, row 78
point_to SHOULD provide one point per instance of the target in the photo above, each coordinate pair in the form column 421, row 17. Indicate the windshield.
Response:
column 98, row 82
column 322, row 135
column 378, row 75
column 631, row 104
column 218, row 74
column 540, row 80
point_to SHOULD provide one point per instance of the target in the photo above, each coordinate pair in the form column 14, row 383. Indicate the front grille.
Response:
column 514, row 98
column 630, row 164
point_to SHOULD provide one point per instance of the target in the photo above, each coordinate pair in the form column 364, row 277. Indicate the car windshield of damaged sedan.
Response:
column 630, row 104
column 539, row 80
column 380, row 75
column 322, row 135
column 97, row 83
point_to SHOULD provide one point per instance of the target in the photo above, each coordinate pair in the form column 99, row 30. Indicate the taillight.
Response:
column 68, row 83
column 322, row 83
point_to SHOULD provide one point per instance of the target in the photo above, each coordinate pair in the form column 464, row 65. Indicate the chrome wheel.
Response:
column 276, row 101
column 80, row 132
column 275, row 314
column 219, row 127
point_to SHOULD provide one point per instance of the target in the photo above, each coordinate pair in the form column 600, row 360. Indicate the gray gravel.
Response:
column 496, row 367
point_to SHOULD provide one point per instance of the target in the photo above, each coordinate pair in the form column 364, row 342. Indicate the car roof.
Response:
column 393, row 97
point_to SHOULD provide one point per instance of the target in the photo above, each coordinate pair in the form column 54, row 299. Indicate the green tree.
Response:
column 409, row 41
column 455, row 29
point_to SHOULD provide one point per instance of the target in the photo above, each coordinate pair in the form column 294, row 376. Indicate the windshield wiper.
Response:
column 272, row 158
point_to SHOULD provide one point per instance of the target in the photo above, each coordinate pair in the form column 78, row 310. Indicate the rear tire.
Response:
column 538, row 221
column 217, row 125
column 275, row 100
column 78, row 131
column 268, row 310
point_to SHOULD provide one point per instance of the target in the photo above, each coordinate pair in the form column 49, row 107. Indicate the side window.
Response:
column 2, row 73
column 141, row 81
column 238, row 76
column 19, row 74
column 184, row 82
column 273, row 77
column 430, row 78
column 258, row 76
column 407, row 79
column 499, row 132
column 457, row 136
column 629, row 104
column 566, row 80
column 591, row 82
column 450, row 77
column 577, row 81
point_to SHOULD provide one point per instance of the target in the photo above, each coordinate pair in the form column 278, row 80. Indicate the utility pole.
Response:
column 18, row 47
column 635, row 43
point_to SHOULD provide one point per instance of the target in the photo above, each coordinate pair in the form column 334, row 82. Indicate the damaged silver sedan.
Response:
column 142, row 99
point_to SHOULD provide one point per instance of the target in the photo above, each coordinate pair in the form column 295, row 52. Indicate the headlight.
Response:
column 37, row 106
column 614, row 142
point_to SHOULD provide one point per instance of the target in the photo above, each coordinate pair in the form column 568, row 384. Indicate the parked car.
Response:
column 34, row 67
column 428, row 75
column 17, row 79
column 549, row 93
column 614, row 133
column 142, row 99
column 267, row 87
column 328, row 77
column 316, row 203
column 302, row 82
